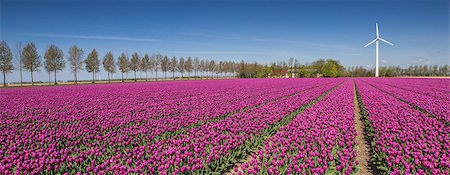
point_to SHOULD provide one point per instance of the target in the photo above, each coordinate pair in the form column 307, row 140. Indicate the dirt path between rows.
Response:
column 362, row 147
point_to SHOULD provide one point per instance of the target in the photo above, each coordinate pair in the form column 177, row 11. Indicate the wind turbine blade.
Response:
column 376, row 26
column 386, row 41
column 371, row 42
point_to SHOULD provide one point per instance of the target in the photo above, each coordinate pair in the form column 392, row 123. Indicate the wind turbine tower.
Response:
column 376, row 41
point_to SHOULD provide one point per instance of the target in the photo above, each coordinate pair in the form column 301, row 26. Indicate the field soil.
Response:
column 362, row 147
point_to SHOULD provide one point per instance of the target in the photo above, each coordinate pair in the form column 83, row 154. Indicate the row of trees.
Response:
column 292, row 68
column 54, row 61
column 394, row 71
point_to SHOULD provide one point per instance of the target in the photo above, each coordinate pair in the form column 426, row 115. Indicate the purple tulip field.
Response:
column 235, row 126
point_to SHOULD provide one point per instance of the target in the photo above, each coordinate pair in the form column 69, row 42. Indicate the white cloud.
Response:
column 297, row 42
column 95, row 37
column 215, row 52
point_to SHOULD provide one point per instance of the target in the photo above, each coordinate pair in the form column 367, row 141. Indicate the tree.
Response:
column 221, row 68
column 196, row 66
column 188, row 66
column 123, row 64
column 291, row 63
column 6, row 57
column 18, row 54
column 109, row 65
column 212, row 68
column 165, row 65
column 145, row 65
column 173, row 66
column 76, row 61
column 54, row 60
column 31, row 59
column 202, row 67
column 181, row 66
column 155, row 62
column 135, row 64
column 93, row 64
column 330, row 69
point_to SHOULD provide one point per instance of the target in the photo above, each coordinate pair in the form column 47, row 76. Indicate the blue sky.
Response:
column 254, row 31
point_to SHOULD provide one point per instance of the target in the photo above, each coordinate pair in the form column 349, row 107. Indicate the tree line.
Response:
column 55, row 61
column 395, row 71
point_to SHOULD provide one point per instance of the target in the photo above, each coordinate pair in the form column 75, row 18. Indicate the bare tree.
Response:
column 188, row 66
column 164, row 65
column 155, row 61
column 181, row 66
column 135, row 64
column 109, row 65
column 221, row 68
column 196, row 66
column 76, row 60
column 173, row 66
column 6, row 57
column 145, row 65
column 31, row 59
column 291, row 63
column 123, row 64
column 48, row 68
column 18, row 53
column 93, row 64
column 54, row 60
column 202, row 67
column 212, row 68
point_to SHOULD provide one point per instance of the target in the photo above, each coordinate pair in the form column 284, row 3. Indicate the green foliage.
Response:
column 330, row 69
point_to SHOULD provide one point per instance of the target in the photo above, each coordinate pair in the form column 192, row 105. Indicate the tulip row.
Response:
column 213, row 147
column 439, row 88
column 60, row 127
column 318, row 141
column 437, row 107
column 404, row 140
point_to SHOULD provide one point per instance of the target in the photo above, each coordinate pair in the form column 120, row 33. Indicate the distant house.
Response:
column 291, row 73
column 278, row 74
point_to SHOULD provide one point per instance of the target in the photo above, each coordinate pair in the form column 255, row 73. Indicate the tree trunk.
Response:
column 173, row 75
column 122, row 76
column 93, row 77
column 75, row 76
column 188, row 75
column 32, row 80
column 181, row 75
column 49, row 78
column 135, row 79
column 4, row 79
column 21, row 82
column 195, row 75
column 55, row 77
column 146, row 75
column 109, row 78
column 165, row 75
column 156, row 75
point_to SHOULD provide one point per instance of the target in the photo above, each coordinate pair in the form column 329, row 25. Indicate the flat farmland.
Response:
column 236, row 126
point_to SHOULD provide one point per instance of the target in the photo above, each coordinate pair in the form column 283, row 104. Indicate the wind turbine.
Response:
column 377, row 40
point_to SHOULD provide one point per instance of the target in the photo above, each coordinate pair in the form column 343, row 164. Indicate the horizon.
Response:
column 252, row 31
